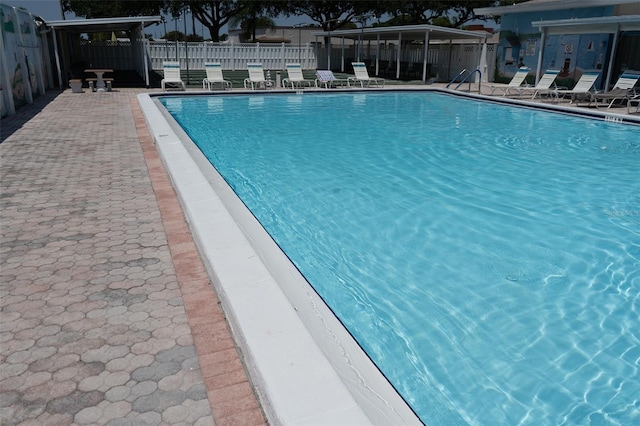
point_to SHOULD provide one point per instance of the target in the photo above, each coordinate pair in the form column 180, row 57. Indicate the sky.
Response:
column 49, row 10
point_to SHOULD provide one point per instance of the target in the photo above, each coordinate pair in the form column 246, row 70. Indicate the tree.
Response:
column 249, row 26
column 410, row 12
column 213, row 14
column 255, row 16
column 194, row 37
column 462, row 11
column 114, row 8
column 174, row 36
column 453, row 13
column 331, row 15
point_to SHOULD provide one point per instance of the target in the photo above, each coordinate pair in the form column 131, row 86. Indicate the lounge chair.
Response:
column 514, row 84
column 295, row 77
column 582, row 87
column 256, row 78
column 214, row 76
column 623, row 89
column 362, row 76
column 544, row 85
column 327, row 79
column 171, row 75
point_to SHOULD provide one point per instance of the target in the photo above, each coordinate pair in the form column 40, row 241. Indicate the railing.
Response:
column 468, row 77
column 456, row 77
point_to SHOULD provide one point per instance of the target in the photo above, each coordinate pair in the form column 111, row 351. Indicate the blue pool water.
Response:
column 486, row 257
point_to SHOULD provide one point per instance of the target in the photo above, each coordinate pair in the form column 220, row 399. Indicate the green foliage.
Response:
column 174, row 35
column 252, row 14
column 331, row 15
column 214, row 14
column 194, row 37
column 255, row 15
column 112, row 8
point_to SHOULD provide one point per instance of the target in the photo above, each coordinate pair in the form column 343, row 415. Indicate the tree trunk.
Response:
column 214, row 32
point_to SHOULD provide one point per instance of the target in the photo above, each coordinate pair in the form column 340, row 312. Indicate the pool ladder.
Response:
column 466, row 79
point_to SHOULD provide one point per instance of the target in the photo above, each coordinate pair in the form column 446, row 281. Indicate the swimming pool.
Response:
column 489, row 268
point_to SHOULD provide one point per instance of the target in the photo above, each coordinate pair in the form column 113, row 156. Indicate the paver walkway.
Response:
column 106, row 313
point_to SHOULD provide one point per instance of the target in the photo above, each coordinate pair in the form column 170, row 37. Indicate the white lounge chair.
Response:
column 514, row 84
column 544, row 85
column 171, row 75
column 256, row 78
column 582, row 87
column 327, row 79
column 622, row 89
column 214, row 76
column 362, row 76
column 295, row 77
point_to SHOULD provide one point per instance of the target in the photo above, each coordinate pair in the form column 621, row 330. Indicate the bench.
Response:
column 92, row 81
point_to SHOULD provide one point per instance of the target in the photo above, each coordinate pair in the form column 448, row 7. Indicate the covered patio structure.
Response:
column 419, row 34
column 69, row 52
column 618, row 26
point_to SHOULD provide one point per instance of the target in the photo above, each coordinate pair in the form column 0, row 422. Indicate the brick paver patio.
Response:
column 107, row 314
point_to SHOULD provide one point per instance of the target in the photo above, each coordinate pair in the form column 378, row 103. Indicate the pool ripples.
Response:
column 492, row 272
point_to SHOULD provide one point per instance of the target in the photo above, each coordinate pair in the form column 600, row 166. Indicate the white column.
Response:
column 424, row 59
column 484, row 68
column 342, row 54
column 378, row 54
column 543, row 41
column 399, row 55
column 57, row 55
column 611, row 58
column 145, row 51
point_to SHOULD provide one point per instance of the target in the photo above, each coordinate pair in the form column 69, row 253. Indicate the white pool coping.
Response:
column 305, row 366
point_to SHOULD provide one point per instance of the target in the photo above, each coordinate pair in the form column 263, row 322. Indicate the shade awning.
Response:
column 603, row 24
column 547, row 5
column 409, row 32
column 104, row 24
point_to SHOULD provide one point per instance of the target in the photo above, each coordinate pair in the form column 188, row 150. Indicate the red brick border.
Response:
column 232, row 399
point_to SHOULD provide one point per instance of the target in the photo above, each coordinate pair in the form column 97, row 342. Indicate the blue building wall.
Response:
column 519, row 44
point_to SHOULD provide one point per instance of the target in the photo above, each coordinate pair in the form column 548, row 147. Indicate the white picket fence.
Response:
column 231, row 56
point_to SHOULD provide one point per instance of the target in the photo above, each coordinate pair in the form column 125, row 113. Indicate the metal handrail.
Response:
column 477, row 70
column 456, row 77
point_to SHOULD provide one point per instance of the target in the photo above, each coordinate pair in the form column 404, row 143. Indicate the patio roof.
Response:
column 409, row 32
column 424, row 33
column 603, row 24
column 546, row 5
column 104, row 24
column 80, row 26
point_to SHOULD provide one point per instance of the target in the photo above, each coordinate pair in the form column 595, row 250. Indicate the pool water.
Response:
column 486, row 257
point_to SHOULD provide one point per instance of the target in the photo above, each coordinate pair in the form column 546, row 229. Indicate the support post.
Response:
column 614, row 47
column 426, row 57
column 399, row 56
column 57, row 55
column 543, row 40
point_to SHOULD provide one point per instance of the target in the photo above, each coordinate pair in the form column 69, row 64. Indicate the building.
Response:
column 572, row 36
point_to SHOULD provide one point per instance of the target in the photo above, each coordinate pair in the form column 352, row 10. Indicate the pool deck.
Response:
column 108, row 315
